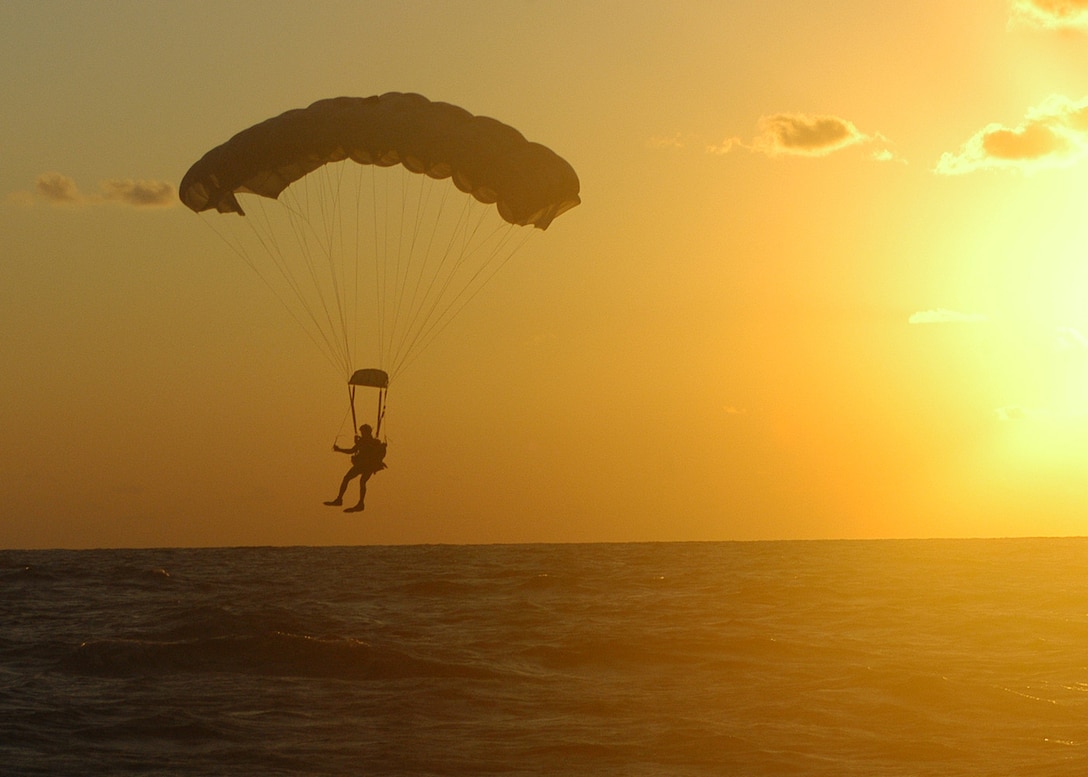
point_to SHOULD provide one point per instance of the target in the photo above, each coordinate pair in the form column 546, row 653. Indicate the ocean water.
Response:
column 934, row 657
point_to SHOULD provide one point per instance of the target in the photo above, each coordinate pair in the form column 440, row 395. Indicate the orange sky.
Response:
column 828, row 278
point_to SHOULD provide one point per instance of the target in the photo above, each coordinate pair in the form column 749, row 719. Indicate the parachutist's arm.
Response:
column 353, row 449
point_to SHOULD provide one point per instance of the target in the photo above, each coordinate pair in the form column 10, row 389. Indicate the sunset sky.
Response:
column 829, row 277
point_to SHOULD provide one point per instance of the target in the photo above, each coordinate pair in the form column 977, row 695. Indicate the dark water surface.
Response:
column 934, row 657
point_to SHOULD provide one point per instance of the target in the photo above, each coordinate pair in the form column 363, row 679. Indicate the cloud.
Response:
column 58, row 189
column 1010, row 413
column 1050, row 14
column 725, row 146
column 788, row 134
column 1054, row 134
column 805, row 135
column 944, row 316
column 140, row 194
column 1069, row 419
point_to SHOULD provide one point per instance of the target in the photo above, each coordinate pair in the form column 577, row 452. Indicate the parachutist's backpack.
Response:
column 379, row 456
column 370, row 456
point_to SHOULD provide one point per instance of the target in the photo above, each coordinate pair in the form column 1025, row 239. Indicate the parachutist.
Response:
column 367, row 458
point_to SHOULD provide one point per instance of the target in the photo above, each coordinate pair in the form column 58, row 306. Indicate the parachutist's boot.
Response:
column 335, row 502
column 357, row 509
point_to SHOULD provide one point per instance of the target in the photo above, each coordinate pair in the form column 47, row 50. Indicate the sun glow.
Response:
column 1040, row 377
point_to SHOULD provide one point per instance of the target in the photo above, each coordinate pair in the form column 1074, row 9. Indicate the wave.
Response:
column 275, row 654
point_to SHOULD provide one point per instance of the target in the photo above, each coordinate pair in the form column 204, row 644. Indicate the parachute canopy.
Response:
column 493, row 162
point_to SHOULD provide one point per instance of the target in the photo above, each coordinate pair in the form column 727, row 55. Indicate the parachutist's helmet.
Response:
column 365, row 429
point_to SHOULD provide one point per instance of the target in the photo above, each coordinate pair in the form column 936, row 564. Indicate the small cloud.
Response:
column 732, row 410
column 680, row 141
column 725, row 146
column 944, row 316
column 1060, row 418
column 805, row 135
column 787, row 134
column 58, row 189
column 1014, row 413
column 1050, row 14
column 887, row 155
column 139, row 194
column 1054, row 134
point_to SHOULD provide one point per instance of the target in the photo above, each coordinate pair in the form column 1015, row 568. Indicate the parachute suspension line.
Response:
column 498, row 260
column 406, row 263
column 334, row 225
column 391, row 206
column 418, row 270
column 435, row 282
column 356, row 257
column 466, row 245
column 505, row 246
column 268, row 245
column 321, row 197
column 321, row 228
column 442, row 254
column 277, row 250
column 321, row 244
column 264, row 227
column 430, row 250
column 380, row 237
column 413, row 200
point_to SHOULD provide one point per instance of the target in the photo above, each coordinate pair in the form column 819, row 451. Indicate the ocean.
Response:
column 928, row 657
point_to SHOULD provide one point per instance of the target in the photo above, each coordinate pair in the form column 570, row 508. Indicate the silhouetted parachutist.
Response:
column 367, row 457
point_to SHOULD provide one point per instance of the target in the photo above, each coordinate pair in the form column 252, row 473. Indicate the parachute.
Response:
column 375, row 258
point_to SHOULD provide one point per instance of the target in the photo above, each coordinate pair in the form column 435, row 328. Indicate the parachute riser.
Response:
column 379, row 413
column 351, row 401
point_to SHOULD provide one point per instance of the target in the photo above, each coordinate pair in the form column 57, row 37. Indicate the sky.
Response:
column 827, row 279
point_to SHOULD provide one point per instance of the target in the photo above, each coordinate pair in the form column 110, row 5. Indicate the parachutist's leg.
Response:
column 362, row 494
column 343, row 487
